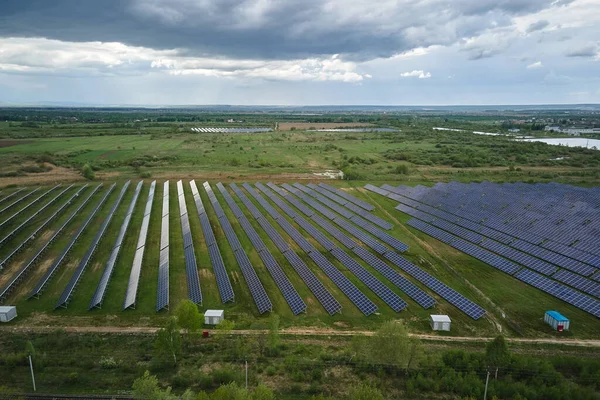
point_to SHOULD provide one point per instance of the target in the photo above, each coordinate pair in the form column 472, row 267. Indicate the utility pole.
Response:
column 31, row 368
column 487, row 379
column 246, row 374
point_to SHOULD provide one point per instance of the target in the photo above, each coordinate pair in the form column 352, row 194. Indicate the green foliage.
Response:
column 402, row 169
column 390, row 345
column 274, row 332
column 497, row 353
column 146, row 388
column 168, row 340
column 188, row 316
column 365, row 392
column 350, row 174
column 88, row 172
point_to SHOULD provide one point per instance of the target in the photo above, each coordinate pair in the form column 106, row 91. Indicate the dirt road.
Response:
column 305, row 332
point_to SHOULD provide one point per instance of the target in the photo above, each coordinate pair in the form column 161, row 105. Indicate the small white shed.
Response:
column 7, row 313
column 439, row 322
column 214, row 317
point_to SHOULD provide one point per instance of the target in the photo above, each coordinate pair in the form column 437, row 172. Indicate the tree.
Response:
column 146, row 388
column 168, row 340
column 88, row 172
column 188, row 316
column 29, row 349
column 263, row 393
column 497, row 353
column 365, row 392
column 273, row 331
column 392, row 345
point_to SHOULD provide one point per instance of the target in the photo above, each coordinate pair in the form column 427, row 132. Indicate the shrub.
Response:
column 88, row 172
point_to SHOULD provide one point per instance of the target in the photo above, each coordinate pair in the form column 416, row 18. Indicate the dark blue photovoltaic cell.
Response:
column 578, row 282
column 30, row 204
column 10, row 196
column 162, row 290
column 560, row 291
column 17, row 201
column 26, row 268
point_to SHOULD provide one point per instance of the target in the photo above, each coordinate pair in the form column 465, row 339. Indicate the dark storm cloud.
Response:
column 264, row 29
column 586, row 52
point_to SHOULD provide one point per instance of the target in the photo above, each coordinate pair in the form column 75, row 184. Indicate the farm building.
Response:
column 439, row 322
column 557, row 321
column 7, row 313
column 214, row 317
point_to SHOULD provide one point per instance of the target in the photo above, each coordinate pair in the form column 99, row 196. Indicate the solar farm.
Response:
column 314, row 253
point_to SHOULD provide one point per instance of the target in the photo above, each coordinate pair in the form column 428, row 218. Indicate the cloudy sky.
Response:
column 295, row 52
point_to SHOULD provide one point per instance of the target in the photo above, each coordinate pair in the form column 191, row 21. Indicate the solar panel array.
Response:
column 355, row 219
column 358, row 202
column 257, row 290
column 288, row 291
column 380, row 289
column 329, row 303
column 138, row 257
column 37, row 291
column 30, row 218
column 162, row 291
column 98, row 297
column 10, row 196
column 22, row 225
column 433, row 206
column 26, row 268
column 193, row 279
column 17, row 201
column 360, row 300
column 417, row 294
column 223, row 282
column 65, row 297
column 32, row 203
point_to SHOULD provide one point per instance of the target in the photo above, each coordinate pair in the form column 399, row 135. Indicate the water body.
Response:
column 569, row 142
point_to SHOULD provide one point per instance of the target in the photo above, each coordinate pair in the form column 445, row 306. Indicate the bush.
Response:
column 402, row 169
column 108, row 363
column 88, row 172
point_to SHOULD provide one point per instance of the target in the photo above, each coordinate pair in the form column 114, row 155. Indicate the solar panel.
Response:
column 223, row 282
column 288, row 291
column 578, row 282
column 360, row 203
column 453, row 297
column 329, row 303
column 162, row 291
column 37, row 291
column 191, row 269
column 560, row 291
column 11, row 195
column 67, row 293
column 17, row 201
column 16, row 230
column 32, row 203
column 98, row 297
column 25, row 269
column 257, row 290
column 136, row 267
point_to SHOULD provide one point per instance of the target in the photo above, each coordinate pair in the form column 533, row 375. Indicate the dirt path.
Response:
column 303, row 332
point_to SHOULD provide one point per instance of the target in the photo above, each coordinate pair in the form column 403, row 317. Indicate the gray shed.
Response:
column 7, row 313
column 439, row 322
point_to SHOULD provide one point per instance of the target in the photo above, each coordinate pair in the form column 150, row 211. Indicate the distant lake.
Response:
column 569, row 142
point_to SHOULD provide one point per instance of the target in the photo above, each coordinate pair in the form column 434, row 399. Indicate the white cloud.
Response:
column 416, row 74
column 38, row 55
column 537, row 64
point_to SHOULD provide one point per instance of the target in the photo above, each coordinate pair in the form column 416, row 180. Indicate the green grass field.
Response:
column 514, row 308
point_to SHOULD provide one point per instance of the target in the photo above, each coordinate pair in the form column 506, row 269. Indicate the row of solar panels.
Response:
column 223, row 282
column 162, row 292
column 25, row 269
column 455, row 298
column 27, row 206
column 191, row 269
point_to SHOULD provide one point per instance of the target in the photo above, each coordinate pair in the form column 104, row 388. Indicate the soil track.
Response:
column 118, row 330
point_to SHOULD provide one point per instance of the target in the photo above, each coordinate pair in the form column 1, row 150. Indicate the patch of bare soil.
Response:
column 10, row 143
column 55, row 176
column 107, row 154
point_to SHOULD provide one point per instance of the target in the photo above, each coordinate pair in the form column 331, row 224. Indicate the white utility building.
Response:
column 439, row 322
column 7, row 313
column 214, row 317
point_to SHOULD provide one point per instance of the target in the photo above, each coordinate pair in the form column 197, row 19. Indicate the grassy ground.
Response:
column 513, row 307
